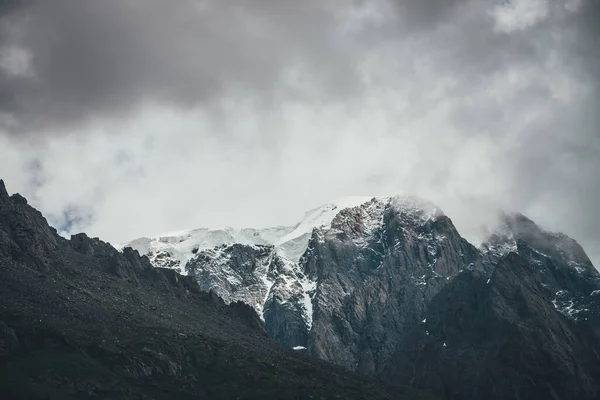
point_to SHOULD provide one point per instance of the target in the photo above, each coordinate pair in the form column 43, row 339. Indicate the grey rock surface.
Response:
column 376, row 271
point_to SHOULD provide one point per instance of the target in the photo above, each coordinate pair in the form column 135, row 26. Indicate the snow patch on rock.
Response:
column 175, row 249
column 565, row 304
column 236, row 273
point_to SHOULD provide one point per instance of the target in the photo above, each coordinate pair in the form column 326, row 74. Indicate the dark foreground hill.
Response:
column 79, row 319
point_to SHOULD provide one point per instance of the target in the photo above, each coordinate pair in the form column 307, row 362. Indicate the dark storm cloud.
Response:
column 107, row 58
column 9, row 6
column 104, row 58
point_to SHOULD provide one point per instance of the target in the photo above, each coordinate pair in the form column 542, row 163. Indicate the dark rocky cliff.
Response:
column 499, row 337
column 404, row 296
column 374, row 282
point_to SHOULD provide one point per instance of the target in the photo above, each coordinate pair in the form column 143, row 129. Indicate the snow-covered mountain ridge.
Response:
column 267, row 267
column 348, row 250
column 175, row 249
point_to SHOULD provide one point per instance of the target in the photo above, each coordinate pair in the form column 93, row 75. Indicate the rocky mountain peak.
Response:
column 360, row 220
column 518, row 234
column 555, row 244
column 3, row 191
column 415, row 207
column 564, row 269
column 27, row 230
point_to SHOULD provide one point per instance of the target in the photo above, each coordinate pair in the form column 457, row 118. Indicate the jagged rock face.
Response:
column 376, row 268
column 288, row 310
column 498, row 337
column 236, row 272
column 285, row 322
column 24, row 232
column 257, row 275
column 175, row 249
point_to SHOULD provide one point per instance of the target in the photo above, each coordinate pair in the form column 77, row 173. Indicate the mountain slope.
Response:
column 78, row 319
column 499, row 338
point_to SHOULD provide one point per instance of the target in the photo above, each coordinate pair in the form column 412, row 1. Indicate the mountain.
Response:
column 260, row 267
column 388, row 287
column 565, row 270
column 175, row 249
column 81, row 320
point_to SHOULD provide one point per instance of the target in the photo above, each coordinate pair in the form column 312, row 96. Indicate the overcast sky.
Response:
column 125, row 118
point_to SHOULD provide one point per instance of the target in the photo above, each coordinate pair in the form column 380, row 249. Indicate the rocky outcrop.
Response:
column 257, row 275
column 236, row 272
column 175, row 249
column 285, row 322
column 376, row 270
column 25, row 233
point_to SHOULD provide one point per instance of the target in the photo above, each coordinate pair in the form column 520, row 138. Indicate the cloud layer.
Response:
column 128, row 118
